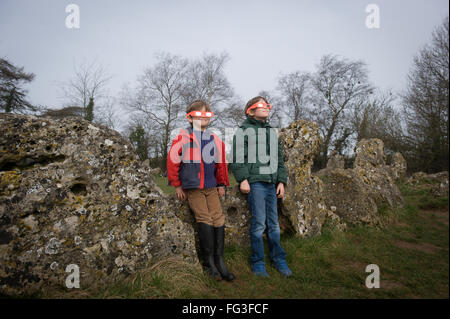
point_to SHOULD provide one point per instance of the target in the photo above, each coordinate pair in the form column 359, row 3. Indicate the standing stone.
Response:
column 73, row 192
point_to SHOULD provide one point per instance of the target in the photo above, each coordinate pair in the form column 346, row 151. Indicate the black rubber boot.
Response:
column 206, row 239
column 219, row 239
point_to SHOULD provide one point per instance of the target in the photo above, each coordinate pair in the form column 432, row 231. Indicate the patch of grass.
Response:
column 421, row 197
column 430, row 202
column 233, row 181
column 163, row 183
column 324, row 178
column 166, row 278
column 383, row 209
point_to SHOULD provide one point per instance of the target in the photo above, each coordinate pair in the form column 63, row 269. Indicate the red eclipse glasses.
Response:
column 200, row 114
column 259, row 104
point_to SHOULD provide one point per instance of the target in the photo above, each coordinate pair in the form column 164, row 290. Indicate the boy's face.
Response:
column 260, row 113
column 199, row 123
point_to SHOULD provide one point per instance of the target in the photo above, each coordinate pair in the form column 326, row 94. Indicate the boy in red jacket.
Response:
column 196, row 167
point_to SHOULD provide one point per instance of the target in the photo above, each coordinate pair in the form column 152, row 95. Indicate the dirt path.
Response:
column 439, row 214
column 439, row 218
column 425, row 247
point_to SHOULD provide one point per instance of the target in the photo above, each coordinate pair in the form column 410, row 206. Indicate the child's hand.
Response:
column 245, row 187
column 181, row 195
column 221, row 191
column 280, row 190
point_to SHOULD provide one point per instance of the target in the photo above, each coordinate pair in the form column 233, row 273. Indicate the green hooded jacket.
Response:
column 256, row 168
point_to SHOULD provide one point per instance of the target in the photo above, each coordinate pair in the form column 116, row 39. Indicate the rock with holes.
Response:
column 359, row 192
column 377, row 176
column 304, row 203
column 344, row 189
column 335, row 161
column 235, row 209
column 398, row 167
column 72, row 192
column 237, row 217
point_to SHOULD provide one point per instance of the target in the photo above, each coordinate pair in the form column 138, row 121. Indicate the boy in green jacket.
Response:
column 258, row 167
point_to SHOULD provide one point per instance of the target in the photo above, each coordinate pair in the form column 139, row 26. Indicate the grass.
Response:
column 411, row 250
column 163, row 183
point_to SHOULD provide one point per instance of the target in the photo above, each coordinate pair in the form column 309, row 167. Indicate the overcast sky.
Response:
column 263, row 38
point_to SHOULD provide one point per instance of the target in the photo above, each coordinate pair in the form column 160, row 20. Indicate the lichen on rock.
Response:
column 72, row 192
column 358, row 192
column 304, row 204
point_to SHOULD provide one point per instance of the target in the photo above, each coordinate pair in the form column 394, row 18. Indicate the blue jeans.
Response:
column 263, row 205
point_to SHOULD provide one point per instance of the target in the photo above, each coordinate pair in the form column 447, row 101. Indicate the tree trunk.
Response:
column 326, row 143
column 8, row 107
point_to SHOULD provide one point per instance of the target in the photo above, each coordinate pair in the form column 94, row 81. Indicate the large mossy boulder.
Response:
column 72, row 192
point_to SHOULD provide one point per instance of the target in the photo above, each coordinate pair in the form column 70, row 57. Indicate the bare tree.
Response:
column 106, row 112
column 337, row 86
column 159, row 96
column 88, row 84
column 207, row 81
column 376, row 117
column 426, row 104
column 232, row 115
column 294, row 88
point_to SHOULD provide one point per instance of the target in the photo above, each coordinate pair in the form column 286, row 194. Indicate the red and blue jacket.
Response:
column 197, row 164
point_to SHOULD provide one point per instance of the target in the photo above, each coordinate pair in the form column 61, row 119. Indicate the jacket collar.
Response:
column 252, row 121
column 189, row 133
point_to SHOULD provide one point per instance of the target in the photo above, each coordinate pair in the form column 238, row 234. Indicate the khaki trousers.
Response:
column 206, row 206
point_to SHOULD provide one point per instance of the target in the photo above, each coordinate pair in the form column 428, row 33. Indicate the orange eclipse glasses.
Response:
column 259, row 104
column 200, row 114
